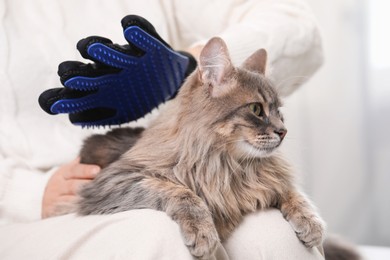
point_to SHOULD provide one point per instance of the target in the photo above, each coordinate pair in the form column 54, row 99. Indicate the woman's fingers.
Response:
column 72, row 186
column 81, row 171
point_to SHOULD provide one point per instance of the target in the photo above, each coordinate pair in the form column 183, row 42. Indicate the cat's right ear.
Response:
column 256, row 62
column 215, row 67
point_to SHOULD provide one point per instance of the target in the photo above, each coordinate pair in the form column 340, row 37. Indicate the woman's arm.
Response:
column 286, row 29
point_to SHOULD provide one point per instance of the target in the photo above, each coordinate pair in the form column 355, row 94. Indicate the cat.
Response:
column 209, row 159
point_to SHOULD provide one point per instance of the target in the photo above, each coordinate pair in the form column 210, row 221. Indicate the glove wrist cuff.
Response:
column 192, row 64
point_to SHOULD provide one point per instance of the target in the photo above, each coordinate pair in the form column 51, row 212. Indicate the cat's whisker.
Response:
column 213, row 66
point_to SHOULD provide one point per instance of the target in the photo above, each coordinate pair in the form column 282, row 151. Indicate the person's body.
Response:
column 35, row 148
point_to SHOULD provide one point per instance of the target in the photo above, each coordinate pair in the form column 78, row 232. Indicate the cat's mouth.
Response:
column 268, row 147
column 249, row 149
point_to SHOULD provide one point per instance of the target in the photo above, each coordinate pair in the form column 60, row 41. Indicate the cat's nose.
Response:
column 281, row 133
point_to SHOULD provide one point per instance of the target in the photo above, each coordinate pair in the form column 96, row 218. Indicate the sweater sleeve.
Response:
column 21, row 191
column 288, row 31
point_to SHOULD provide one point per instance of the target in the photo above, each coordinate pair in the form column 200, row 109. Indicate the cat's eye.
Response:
column 255, row 108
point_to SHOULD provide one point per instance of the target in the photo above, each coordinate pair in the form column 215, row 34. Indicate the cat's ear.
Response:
column 256, row 62
column 215, row 67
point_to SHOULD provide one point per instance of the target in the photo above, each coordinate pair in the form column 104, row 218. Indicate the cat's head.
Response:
column 238, row 104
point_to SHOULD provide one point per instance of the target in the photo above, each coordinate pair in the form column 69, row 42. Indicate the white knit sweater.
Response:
column 35, row 36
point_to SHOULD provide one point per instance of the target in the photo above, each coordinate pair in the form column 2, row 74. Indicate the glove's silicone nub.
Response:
column 143, row 83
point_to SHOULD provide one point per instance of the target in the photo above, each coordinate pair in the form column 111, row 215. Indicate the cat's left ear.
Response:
column 216, row 70
column 256, row 62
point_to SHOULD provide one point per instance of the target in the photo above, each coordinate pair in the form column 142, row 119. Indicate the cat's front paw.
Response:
column 309, row 229
column 201, row 238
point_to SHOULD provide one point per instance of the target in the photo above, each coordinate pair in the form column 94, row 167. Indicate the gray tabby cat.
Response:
column 208, row 159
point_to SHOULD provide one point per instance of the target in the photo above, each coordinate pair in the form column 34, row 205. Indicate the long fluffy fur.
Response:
column 188, row 163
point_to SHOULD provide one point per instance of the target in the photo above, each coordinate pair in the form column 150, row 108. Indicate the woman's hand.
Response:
column 62, row 187
column 124, row 82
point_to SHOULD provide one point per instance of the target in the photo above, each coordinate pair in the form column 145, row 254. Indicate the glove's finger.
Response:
column 102, row 50
column 83, row 44
column 99, row 116
column 84, row 77
column 75, row 104
column 138, row 38
column 71, row 69
column 51, row 96
column 164, row 66
column 145, row 25
column 82, row 111
column 105, row 97
column 90, row 84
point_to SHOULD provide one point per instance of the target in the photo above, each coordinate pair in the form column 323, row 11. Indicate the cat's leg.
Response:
column 303, row 218
column 104, row 149
column 113, row 192
column 193, row 217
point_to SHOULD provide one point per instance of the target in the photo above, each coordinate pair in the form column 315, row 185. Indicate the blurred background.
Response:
column 338, row 122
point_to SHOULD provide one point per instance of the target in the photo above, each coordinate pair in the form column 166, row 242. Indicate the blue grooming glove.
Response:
column 124, row 83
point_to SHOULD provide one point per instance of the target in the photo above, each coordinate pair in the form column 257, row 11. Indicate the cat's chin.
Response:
column 245, row 150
